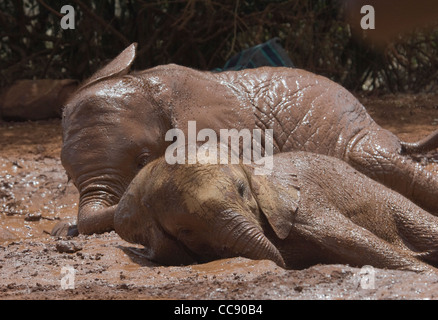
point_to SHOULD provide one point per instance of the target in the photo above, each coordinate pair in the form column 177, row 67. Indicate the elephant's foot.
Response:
column 65, row 229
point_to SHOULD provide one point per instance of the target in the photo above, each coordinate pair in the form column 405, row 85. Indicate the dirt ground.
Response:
column 35, row 194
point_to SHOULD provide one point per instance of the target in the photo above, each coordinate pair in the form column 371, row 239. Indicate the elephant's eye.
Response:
column 142, row 160
column 241, row 188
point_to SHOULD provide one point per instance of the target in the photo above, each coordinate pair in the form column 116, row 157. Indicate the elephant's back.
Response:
column 307, row 112
column 329, row 179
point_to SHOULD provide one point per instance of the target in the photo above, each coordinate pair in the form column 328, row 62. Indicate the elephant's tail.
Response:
column 425, row 145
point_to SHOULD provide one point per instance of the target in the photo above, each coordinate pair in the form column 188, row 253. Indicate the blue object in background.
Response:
column 270, row 53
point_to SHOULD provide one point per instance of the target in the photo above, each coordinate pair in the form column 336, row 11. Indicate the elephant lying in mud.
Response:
column 117, row 121
column 310, row 209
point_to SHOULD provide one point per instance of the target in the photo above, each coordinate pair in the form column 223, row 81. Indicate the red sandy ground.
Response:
column 35, row 194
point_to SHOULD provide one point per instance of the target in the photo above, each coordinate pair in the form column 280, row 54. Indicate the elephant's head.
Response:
column 110, row 131
column 117, row 122
column 199, row 212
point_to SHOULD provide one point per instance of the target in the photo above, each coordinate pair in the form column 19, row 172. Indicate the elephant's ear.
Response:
column 119, row 66
column 277, row 195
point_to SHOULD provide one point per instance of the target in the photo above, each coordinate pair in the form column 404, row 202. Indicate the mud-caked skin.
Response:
column 117, row 121
column 310, row 209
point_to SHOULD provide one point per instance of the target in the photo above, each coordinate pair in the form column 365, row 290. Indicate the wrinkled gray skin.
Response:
column 311, row 209
column 116, row 123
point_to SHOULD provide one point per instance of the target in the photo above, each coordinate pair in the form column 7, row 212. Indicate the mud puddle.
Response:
column 34, row 189
column 35, row 193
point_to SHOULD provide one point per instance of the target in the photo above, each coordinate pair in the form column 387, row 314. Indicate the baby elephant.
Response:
column 310, row 209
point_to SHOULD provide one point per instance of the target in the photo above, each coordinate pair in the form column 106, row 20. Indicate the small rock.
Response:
column 33, row 216
column 5, row 234
column 67, row 247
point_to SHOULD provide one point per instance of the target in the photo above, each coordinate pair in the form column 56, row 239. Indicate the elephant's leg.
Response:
column 377, row 154
column 397, row 220
column 355, row 245
column 418, row 228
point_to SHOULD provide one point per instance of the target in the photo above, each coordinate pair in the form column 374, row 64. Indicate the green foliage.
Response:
column 203, row 34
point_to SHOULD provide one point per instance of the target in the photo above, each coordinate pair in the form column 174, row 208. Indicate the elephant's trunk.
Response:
column 239, row 236
column 96, row 209
column 95, row 218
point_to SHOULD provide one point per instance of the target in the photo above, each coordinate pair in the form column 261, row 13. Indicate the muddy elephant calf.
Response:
column 310, row 209
column 118, row 121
